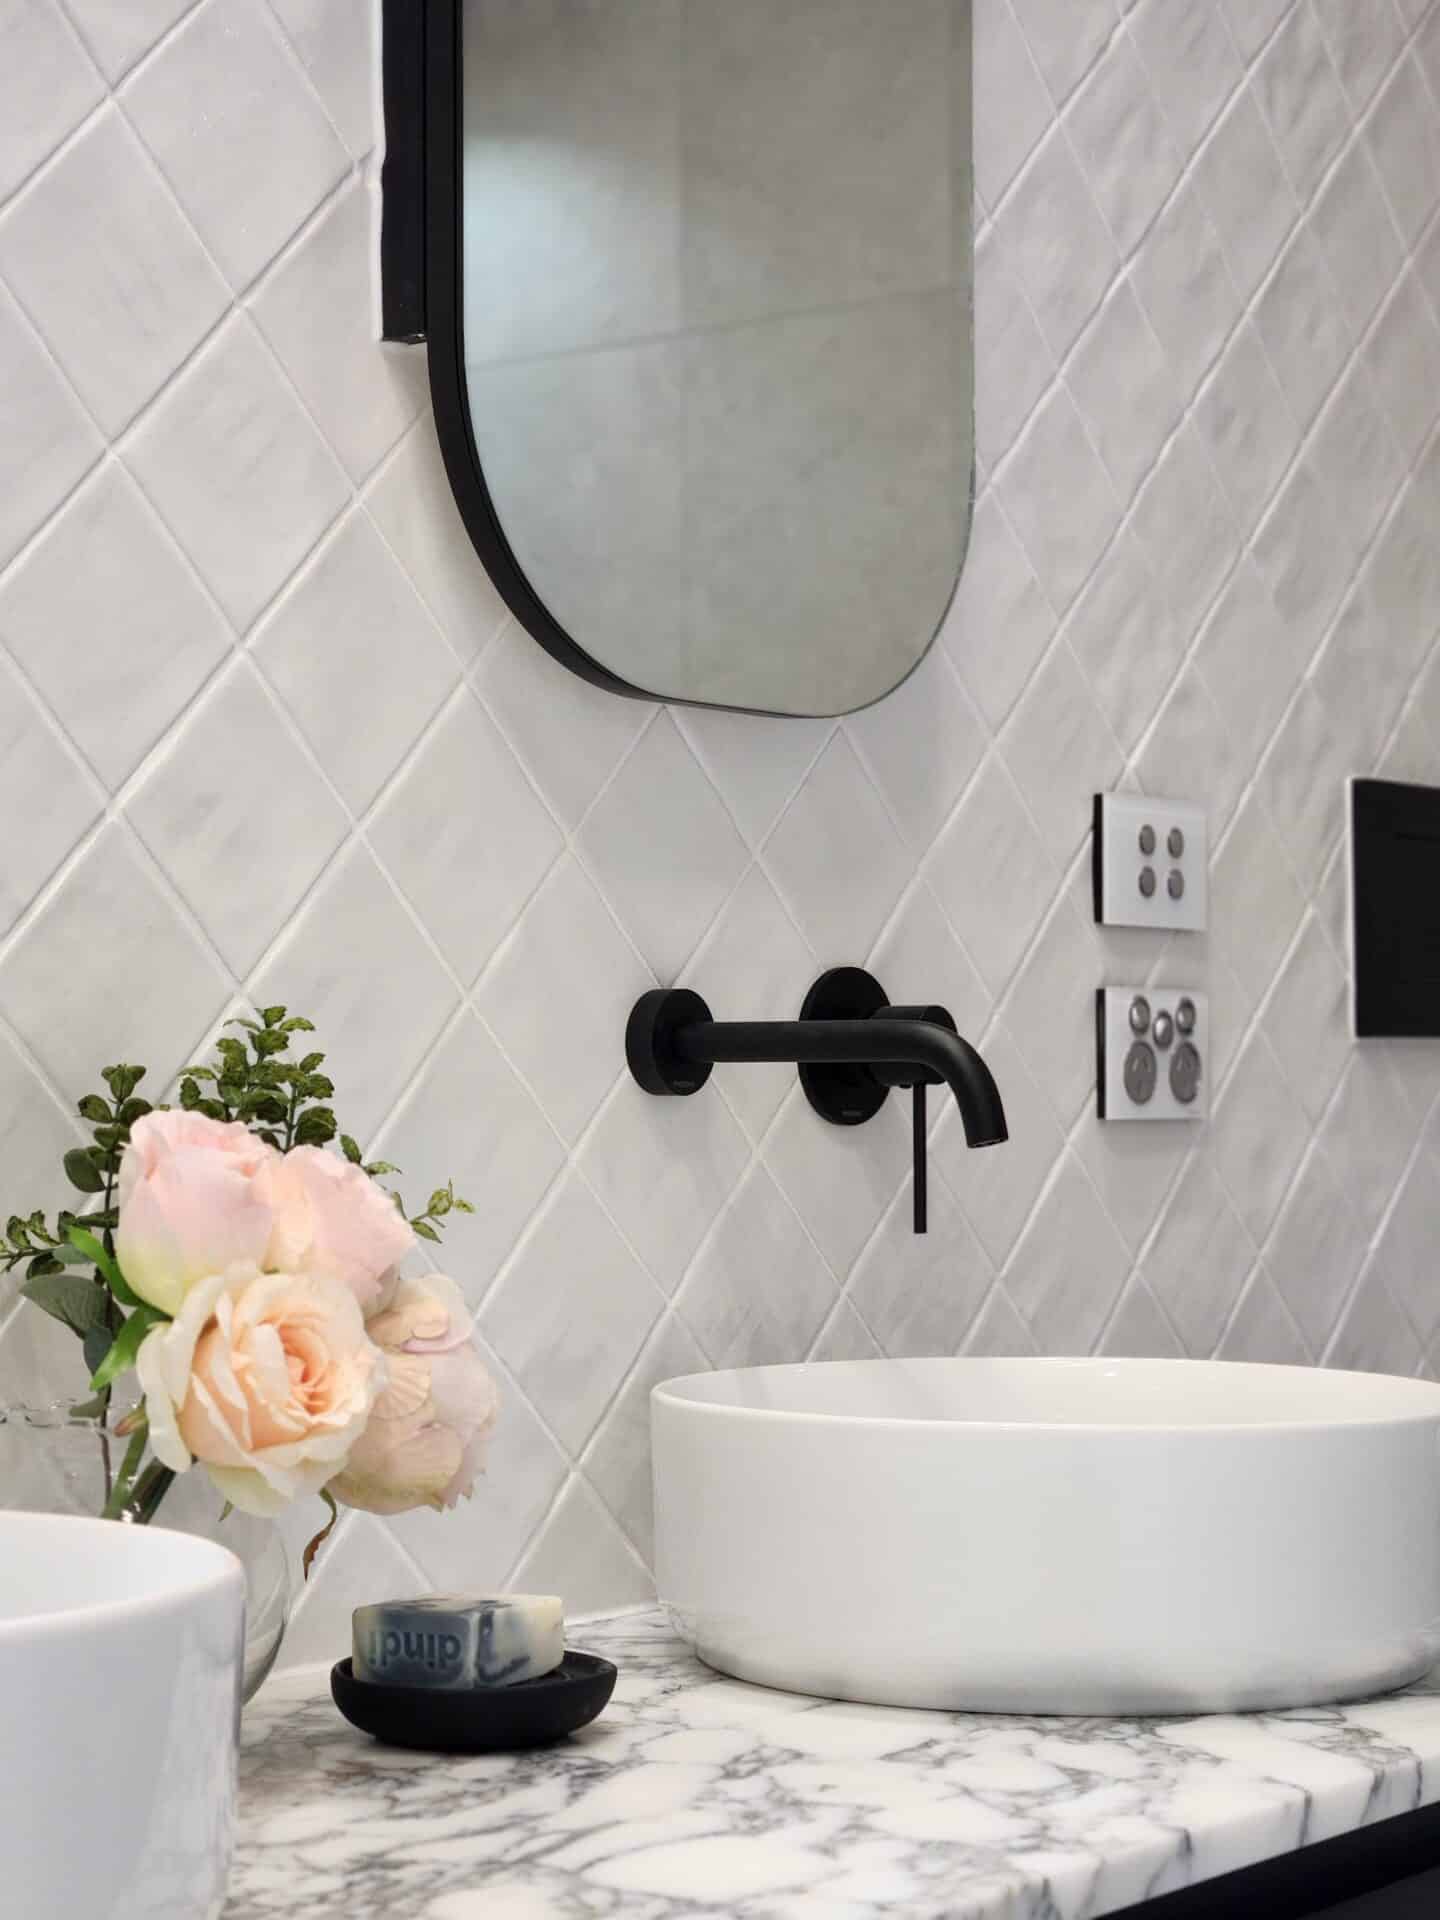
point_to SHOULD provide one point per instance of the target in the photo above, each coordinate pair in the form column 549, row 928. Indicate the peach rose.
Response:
column 330, row 1217
column 426, row 1438
column 193, row 1199
column 266, row 1378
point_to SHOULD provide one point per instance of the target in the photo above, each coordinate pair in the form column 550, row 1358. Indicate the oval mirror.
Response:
column 698, row 304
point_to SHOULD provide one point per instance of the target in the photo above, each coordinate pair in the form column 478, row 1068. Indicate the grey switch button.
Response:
column 1139, row 1014
column 1185, row 1073
column 1185, row 1016
column 1147, row 881
column 1140, row 1073
column 1175, row 885
column 1175, row 843
column 1164, row 1030
column 1147, row 841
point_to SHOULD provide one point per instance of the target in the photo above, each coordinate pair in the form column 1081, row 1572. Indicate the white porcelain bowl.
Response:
column 1053, row 1536
column 119, row 1704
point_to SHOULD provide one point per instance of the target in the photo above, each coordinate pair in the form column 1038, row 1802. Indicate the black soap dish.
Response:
column 532, row 1713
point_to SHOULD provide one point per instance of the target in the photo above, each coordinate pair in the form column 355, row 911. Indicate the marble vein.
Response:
column 696, row 1795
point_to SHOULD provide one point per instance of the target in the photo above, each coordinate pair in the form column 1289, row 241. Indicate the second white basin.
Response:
column 1053, row 1536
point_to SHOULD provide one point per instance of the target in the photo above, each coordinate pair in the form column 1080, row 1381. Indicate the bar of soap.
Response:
column 452, row 1643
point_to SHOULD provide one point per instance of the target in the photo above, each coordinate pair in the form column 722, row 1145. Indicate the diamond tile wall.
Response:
column 265, row 730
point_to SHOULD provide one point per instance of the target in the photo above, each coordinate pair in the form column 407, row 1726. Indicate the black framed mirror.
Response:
column 695, row 277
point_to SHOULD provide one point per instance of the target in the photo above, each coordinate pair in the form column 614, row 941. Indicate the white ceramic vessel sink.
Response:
column 119, row 1704
column 1053, row 1536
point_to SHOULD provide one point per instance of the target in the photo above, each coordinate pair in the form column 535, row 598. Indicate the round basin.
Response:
column 1053, row 1536
column 119, row 1674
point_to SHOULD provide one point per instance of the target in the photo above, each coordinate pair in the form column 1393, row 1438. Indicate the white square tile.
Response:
column 756, row 761
column 1315, row 1250
column 118, row 36
column 1123, row 142
column 1249, row 661
column 753, row 959
column 1189, row 750
column 759, row 1291
column 357, row 659
column 918, row 1292
column 1126, row 638
column 411, row 503
column 1357, row 456
column 1301, row 780
column 839, row 1180
column 131, row 291
column 1058, row 499
column 998, row 1330
column 1131, row 1168
column 1050, row 1006
column 47, row 86
column 921, row 745
column 249, row 160
column 663, row 1169
column 106, row 567
column 1262, row 1328
column 1301, row 550
column 242, row 478
column 1012, row 109
column 1060, row 751
column 1185, row 287
column 837, row 822
column 1200, row 1258
column 242, row 851
column 571, row 1312
column 569, row 736
column 1192, row 62
column 1357, row 234
column 1259, row 1132
column 1055, row 243
column 1307, row 1019
column 1364, row 37
column 1245, row 191
column 1368, row 1131
column 46, row 438
column 318, row 310
column 1374, row 1336
column 124, row 945
column 1247, row 424
column 1138, row 1327
column 563, row 1027
column 1186, row 527
column 992, row 834
column 463, row 806
column 1301, row 320
column 1403, row 355
column 579, row 1549
column 468, row 1120
column 1253, row 21
column 1118, row 352
column 1013, row 365
column 617, row 1460
column 1405, row 141
column 354, row 963
column 920, row 961
column 998, row 594
column 41, row 784
column 1300, row 97
column 1255, row 905
column 341, row 56
column 1069, row 1266
column 628, row 842
column 1065, row 36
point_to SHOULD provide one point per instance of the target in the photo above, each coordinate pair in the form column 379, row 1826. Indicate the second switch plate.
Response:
column 1151, row 859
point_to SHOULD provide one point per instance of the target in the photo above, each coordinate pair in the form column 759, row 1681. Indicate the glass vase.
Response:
column 55, row 1459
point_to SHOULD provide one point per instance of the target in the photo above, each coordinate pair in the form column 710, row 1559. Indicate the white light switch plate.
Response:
column 1125, row 825
column 1141, row 1036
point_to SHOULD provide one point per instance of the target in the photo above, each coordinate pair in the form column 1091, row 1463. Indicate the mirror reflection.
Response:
column 717, row 334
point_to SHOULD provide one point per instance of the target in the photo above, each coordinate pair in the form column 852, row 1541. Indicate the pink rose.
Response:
column 330, row 1217
column 193, row 1199
column 426, row 1437
column 266, row 1378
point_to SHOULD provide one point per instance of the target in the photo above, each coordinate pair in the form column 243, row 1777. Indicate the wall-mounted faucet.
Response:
column 850, row 1045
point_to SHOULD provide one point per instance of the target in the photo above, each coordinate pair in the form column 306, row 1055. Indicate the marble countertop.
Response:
column 697, row 1795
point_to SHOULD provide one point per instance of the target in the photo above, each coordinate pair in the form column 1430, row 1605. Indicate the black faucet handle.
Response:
column 905, row 1074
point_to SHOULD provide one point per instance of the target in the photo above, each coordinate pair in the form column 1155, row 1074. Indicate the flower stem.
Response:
column 129, row 1466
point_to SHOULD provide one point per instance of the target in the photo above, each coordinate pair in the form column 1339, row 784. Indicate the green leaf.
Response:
column 78, row 1304
column 82, row 1172
column 250, row 1026
column 311, row 1062
column 295, row 1024
column 317, row 1086
column 97, row 1345
column 315, row 1128
column 441, row 1202
column 463, row 1206
column 92, row 1107
column 200, row 1073
column 114, row 1279
column 126, row 1345
column 423, row 1227
column 350, row 1150
column 377, row 1169
column 18, row 1234
column 122, row 1081
column 189, row 1094
column 324, row 1533
column 272, row 1042
column 272, row 1016
column 132, row 1111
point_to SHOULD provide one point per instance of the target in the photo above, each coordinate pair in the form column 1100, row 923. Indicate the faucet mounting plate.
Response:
column 847, row 1096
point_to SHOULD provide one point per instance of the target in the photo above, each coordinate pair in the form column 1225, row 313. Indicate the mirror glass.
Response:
column 716, row 332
